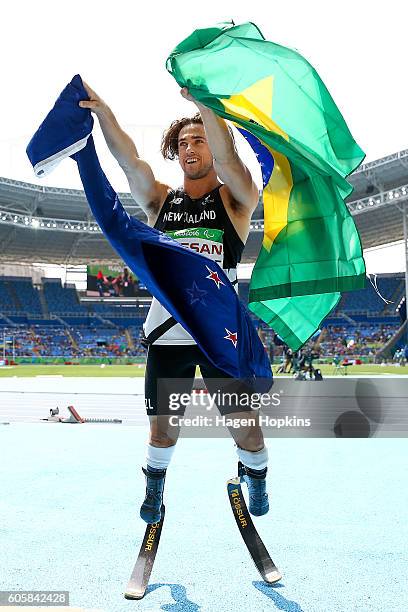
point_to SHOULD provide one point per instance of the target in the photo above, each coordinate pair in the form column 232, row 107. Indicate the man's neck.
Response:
column 199, row 187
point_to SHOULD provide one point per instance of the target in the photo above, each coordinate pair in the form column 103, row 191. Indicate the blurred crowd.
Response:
column 334, row 343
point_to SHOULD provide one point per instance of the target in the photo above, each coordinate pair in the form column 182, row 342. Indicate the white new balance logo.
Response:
column 176, row 201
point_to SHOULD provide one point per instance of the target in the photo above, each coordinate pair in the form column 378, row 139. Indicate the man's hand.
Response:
column 95, row 103
column 187, row 95
column 229, row 167
column 146, row 191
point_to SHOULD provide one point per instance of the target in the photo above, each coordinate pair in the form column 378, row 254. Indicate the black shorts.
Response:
column 170, row 369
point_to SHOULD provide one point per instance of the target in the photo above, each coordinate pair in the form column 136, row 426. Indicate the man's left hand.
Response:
column 187, row 95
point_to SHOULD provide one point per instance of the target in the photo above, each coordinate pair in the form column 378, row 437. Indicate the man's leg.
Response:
column 253, row 459
column 163, row 362
column 253, row 462
column 250, row 445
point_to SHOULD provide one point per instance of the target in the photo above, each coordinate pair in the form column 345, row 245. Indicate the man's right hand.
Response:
column 146, row 191
column 95, row 103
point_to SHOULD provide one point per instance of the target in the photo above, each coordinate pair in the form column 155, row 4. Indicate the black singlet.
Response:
column 203, row 225
column 180, row 212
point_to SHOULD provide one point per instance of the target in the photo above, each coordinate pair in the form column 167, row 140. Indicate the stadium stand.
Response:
column 365, row 302
column 368, row 300
column 68, row 328
column 61, row 299
column 49, row 319
column 7, row 304
column 38, row 340
column 358, row 326
column 26, row 296
column 18, row 295
column 101, row 342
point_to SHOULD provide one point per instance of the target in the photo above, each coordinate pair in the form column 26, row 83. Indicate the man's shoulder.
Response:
column 165, row 192
column 169, row 193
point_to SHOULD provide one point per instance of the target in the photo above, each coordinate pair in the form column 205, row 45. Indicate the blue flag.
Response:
column 193, row 288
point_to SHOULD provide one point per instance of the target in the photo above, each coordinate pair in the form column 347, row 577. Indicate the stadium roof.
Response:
column 53, row 225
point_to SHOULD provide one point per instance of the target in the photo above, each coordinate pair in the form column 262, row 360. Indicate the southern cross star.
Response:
column 196, row 294
column 213, row 275
column 231, row 336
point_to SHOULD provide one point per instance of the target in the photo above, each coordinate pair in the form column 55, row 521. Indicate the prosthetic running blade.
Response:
column 252, row 540
column 139, row 579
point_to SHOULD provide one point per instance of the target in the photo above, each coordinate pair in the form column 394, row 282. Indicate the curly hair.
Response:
column 169, row 143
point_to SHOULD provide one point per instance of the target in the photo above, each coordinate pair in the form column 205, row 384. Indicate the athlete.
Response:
column 211, row 213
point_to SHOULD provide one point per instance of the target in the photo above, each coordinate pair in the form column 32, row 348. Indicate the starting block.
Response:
column 74, row 417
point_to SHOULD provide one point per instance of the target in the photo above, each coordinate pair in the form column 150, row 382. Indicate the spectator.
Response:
column 100, row 283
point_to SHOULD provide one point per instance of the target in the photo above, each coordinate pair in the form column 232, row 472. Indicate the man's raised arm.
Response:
column 148, row 193
column 228, row 165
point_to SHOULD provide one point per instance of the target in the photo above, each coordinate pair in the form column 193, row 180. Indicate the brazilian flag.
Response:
column 311, row 250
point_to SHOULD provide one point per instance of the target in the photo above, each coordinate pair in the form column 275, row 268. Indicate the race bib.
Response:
column 203, row 240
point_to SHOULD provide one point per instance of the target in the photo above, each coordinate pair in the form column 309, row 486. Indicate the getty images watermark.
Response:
column 252, row 408
column 342, row 407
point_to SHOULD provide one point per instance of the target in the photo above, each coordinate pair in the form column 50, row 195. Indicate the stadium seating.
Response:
column 27, row 296
column 101, row 342
column 368, row 300
column 18, row 295
column 81, row 321
column 21, row 319
column 61, row 299
column 361, row 322
column 38, row 341
column 350, row 340
column 364, row 301
column 7, row 303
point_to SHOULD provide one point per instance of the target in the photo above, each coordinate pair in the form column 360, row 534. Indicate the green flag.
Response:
column 311, row 249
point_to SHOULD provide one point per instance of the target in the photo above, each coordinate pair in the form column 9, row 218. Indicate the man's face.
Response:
column 195, row 156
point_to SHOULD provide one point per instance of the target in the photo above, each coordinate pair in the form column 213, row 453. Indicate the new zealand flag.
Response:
column 194, row 289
